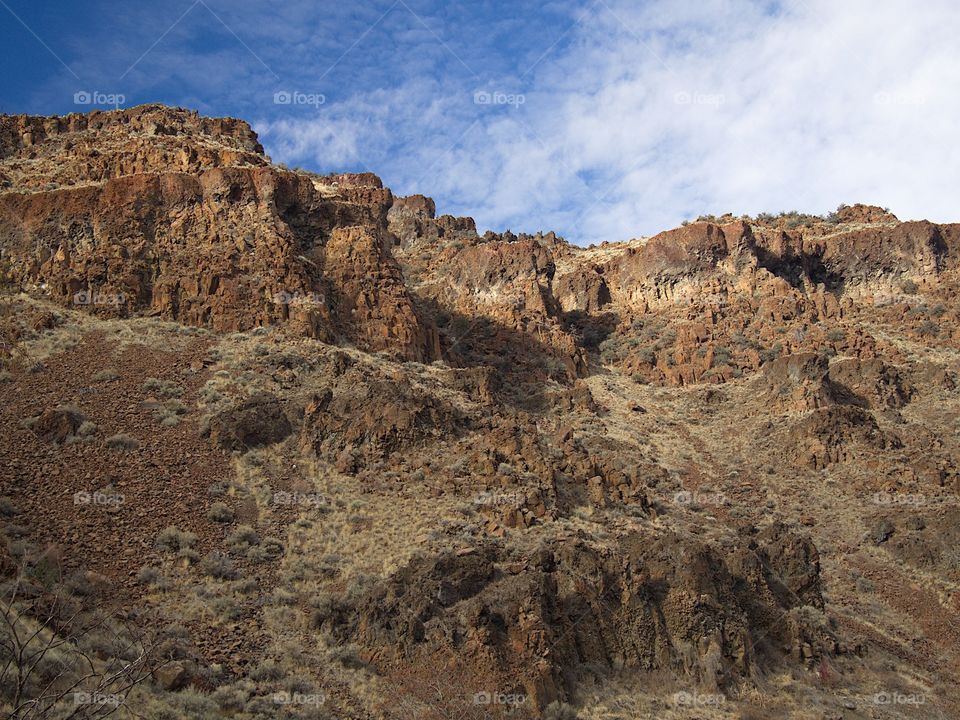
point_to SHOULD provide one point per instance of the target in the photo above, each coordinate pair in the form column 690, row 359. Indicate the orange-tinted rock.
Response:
column 221, row 244
column 860, row 213
column 372, row 305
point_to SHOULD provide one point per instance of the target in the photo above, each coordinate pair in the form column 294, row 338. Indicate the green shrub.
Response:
column 721, row 356
column 122, row 441
column 225, row 608
column 175, row 407
column 558, row 710
column 149, row 576
column 164, row 388
column 647, row 357
column 269, row 549
column 230, row 698
column 173, row 539
column 220, row 512
column 217, row 565
column 267, row 671
column 243, row 537
column 771, row 354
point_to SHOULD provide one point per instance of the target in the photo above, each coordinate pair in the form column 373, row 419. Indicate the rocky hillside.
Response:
column 279, row 444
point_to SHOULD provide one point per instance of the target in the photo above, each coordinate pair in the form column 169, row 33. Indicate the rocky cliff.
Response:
column 160, row 212
column 367, row 454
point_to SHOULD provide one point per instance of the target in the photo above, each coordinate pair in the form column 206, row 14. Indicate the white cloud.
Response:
column 646, row 115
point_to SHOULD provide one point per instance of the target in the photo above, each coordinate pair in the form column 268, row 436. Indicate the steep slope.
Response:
column 333, row 455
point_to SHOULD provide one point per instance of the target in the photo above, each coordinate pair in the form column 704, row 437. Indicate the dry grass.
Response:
column 273, row 562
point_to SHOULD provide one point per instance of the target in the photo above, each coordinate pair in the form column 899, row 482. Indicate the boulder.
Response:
column 55, row 425
column 837, row 434
column 257, row 421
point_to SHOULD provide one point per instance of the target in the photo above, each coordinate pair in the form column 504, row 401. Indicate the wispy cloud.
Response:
column 648, row 115
column 601, row 119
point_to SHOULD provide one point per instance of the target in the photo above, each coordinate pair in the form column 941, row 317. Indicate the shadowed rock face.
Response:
column 259, row 420
column 834, row 434
column 642, row 604
column 808, row 381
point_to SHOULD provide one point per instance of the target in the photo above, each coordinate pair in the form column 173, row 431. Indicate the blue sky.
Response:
column 600, row 119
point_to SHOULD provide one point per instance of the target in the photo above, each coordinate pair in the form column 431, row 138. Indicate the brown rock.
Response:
column 174, row 675
column 56, row 424
column 259, row 420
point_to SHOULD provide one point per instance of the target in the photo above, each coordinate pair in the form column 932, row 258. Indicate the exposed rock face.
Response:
column 369, row 418
column 674, row 263
column 871, row 383
column 159, row 211
column 162, row 244
column 877, row 259
column 583, row 290
column 209, row 241
column 259, row 420
column 77, row 149
column 528, row 514
column 370, row 299
column 702, row 303
column 798, row 382
column 860, row 213
column 580, row 608
column 56, row 424
column 499, row 292
column 927, row 545
column 411, row 218
column 808, row 381
column 835, row 434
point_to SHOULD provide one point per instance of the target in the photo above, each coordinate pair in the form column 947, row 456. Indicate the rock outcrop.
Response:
column 259, row 420
column 220, row 240
column 576, row 609
column 836, row 434
column 452, row 441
